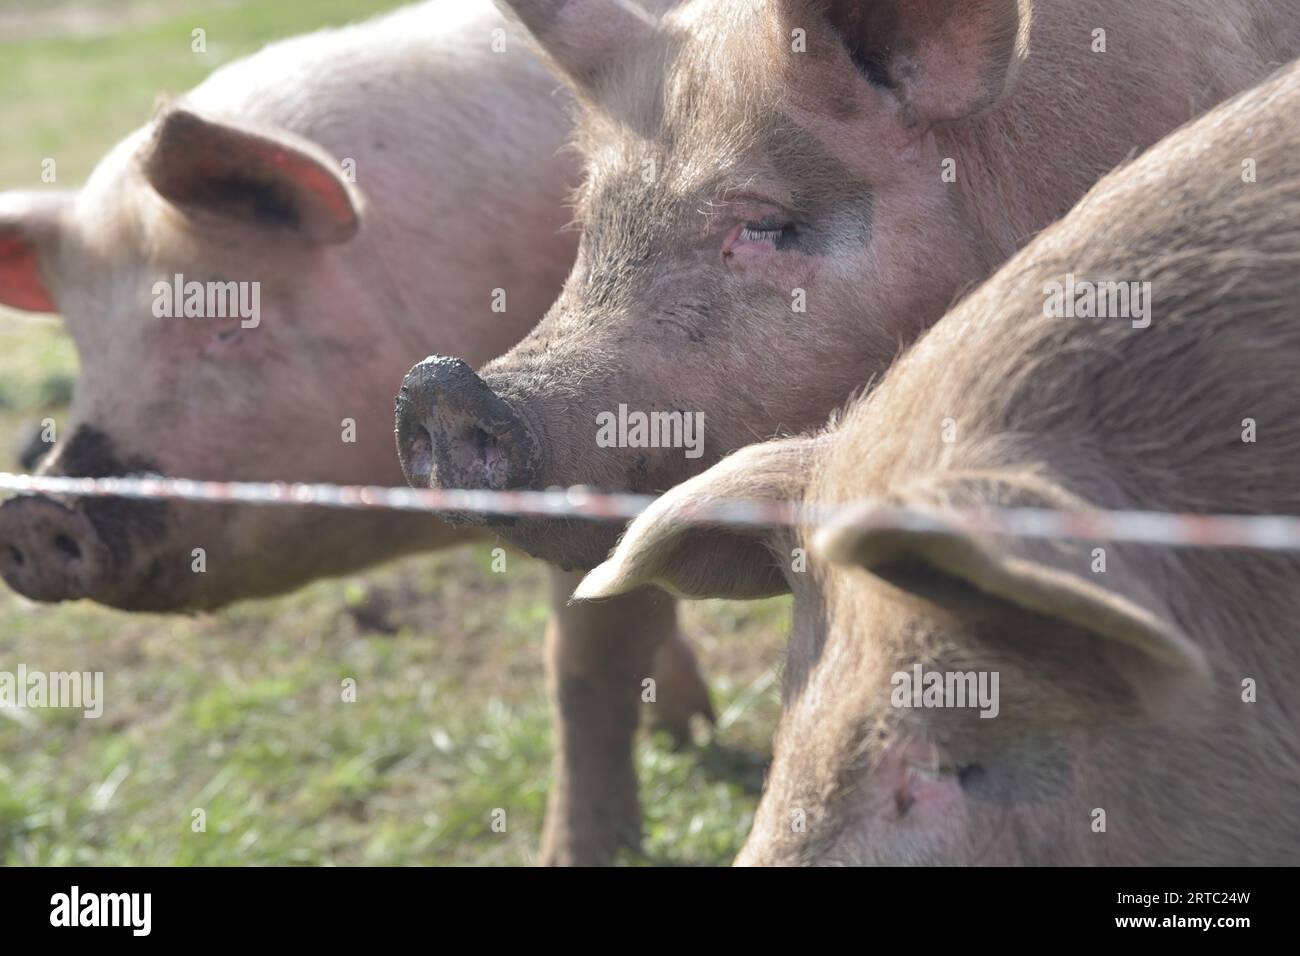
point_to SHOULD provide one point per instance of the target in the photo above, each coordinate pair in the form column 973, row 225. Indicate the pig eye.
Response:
column 778, row 234
column 224, row 338
column 970, row 775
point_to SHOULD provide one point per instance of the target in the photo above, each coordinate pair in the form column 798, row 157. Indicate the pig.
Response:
column 1142, row 711
column 383, row 185
column 778, row 195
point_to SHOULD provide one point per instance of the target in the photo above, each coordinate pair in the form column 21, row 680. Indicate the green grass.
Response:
column 71, row 97
column 240, row 714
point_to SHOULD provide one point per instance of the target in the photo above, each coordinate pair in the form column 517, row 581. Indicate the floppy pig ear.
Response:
column 31, row 224
column 701, row 560
column 268, row 178
column 582, row 36
column 1045, row 578
column 943, row 59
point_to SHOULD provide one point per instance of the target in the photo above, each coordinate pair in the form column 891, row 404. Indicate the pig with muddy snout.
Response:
column 780, row 194
column 320, row 186
column 1143, row 705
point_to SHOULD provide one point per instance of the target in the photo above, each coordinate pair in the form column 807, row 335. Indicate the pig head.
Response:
column 1113, row 709
column 204, row 199
column 780, row 195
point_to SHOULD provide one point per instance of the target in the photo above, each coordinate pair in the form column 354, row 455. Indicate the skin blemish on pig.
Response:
column 903, row 801
column 638, row 476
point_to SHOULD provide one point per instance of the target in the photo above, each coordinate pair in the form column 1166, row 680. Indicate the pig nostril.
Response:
column 17, row 555
column 70, row 548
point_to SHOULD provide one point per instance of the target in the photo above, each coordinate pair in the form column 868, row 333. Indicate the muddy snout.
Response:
column 453, row 431
column 50, row 552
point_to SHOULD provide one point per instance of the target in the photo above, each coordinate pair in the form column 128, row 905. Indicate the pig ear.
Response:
column 943, row 60
column 582, row 36
column 269, row 178
column 664, row 547
column 950, row 566
column 31, row 224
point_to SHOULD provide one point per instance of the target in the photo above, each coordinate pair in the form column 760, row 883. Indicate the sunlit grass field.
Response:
column 239, row 714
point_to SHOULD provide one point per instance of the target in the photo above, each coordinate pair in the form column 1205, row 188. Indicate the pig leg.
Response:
column 680, row 690
column 598, row 656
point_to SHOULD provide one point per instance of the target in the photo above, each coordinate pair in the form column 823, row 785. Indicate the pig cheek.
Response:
column 916, row 820
column 919, row 796
column 920, row 813
column 782, row 272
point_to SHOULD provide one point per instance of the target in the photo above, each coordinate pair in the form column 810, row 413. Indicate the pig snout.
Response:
column 50, row 552
column 454, row 431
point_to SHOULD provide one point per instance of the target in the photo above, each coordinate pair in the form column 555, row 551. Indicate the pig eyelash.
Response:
column 759, row 237
column 224, row 339
column 967, row 774
column 779, row 236
column 762, row 232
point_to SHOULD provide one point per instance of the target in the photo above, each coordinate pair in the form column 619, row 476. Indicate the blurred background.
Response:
column 239, row 712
